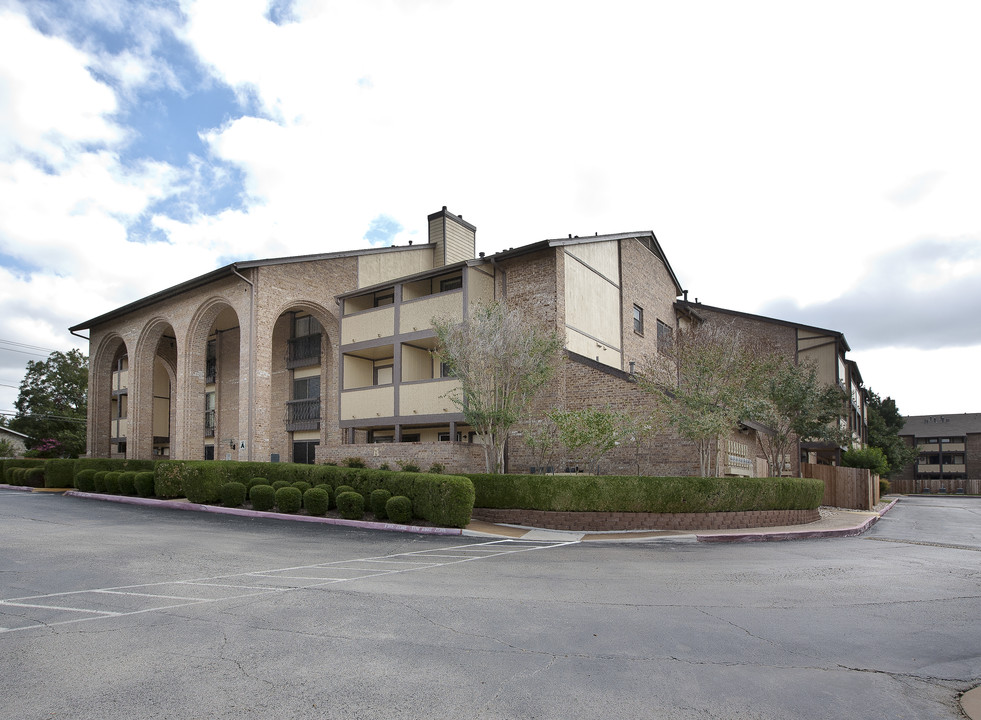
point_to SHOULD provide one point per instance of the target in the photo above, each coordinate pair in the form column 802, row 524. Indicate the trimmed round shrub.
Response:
column 399, row 509
column 127, row 483
column 343, row 489
column 17, row 476
column 263, row 497
column 112, row 482
column 143, row 483
column 289, row 499
column 316, row 500
column 85, row 480
column 233, row 494
column 34, row 477
column 351, row 505
column 377, row 500
column 258, row 481
column 302, row 486
column 99, row 483
column 279, row 484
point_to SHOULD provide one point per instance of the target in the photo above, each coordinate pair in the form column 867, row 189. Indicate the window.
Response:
column 209, row 452
column 445, row 437
column 665, row 337
column 454, row 283
column 410, row 437
column 638, row 319
column 383, row 375
column 305, row 451
column 305, row 325
column 209, row 415
column 445, row 370
column 303, row 349
column 384, row 298
column 374, row 437
column 211, row 362
column 307, row 388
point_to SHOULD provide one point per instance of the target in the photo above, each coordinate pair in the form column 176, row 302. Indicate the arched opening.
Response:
column 109, row 399
column 214, row 402
column 301, row 383
column 152, row 376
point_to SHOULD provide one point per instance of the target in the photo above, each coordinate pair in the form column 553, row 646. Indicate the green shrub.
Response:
column 127, row 482
column 377, row 500
column 233, row 494
column 167, row 479
column 436, row 468
column 258, row 481
column 354, row 462
column 316, row 500
column 117, row 464
column 10, row 465
column 399, row 509
column 384, row 466
column 263, row 497
column 112, row 482
column 34, row 477
column 59, row 473
column 280, row 484
column 350, row 505
column 143, row 483
column 17, row 476
column 645, row 494
column 883, row 487
column 408, row 466
column 871, row 457
column 302, row 486
column 99, row 481
column 289, row 499
column 85, row 481
column 342, row 489
column 201, row 480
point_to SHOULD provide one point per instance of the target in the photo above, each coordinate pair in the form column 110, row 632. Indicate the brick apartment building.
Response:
column 322, row 357
column 950, row 450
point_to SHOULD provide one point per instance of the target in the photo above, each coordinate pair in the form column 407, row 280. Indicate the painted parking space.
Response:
column 85, row 605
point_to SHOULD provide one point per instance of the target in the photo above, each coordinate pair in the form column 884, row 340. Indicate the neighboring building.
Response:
column 949, row 445
column 312, row 358
column 16, row 439
column 826, row 349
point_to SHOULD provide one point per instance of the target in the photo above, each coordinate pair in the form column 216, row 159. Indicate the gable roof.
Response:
column 942, row 425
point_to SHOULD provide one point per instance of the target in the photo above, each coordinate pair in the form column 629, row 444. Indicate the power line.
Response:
column 25, row 345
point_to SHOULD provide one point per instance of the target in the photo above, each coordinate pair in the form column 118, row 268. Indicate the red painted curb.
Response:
column 241, row 512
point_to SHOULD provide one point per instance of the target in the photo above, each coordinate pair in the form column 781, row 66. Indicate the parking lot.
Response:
column 113, row 611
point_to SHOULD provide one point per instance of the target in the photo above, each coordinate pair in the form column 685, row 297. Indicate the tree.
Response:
column 870, row 458
column 796, row 408
column 704, row 385
column 52, row 402
column 592, row 430
column 542, row 438
column 502, row 361
column 885, row 424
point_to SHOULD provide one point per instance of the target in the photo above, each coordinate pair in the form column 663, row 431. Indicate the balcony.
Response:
column 303, row 415
column 118, row 429
column 368, row 325
column 209, row 423
column 303, row 351
column 373, row 402
column 428, row 398
column 417, row 315
column 210, row 371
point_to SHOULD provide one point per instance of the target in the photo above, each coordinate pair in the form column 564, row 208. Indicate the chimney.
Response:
column 454, row 238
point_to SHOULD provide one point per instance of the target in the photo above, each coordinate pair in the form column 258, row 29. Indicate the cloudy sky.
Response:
column 816, row 162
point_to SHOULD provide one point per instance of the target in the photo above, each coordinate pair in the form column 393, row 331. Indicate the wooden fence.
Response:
column 910, row 486
column 854, row 488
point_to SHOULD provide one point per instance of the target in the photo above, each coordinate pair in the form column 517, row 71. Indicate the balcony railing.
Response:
column 303, row 415
column 209, row 423
column 210, row 371
column 303, row 351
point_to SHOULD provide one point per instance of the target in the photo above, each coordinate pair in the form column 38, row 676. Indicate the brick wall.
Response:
column 455, row 457
column 599, row 521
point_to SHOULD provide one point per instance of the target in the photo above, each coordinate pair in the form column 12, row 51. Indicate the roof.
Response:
column 227, row 270
column 942, row 425
column 692, row 308
column 14, row 432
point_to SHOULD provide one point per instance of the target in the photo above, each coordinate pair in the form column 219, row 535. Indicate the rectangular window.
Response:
column 445, row 370
column 305, row 452
column 386, row 297
column 445, row 437
column 638, row 319
column 383, row 375
column 374, row 437
column 209, row 452
column 305, row 325
column 307, row 388
column 410, row 437
column 454, row 283
column 665, row 337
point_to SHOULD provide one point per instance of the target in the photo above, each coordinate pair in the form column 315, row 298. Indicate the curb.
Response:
column 216, row 510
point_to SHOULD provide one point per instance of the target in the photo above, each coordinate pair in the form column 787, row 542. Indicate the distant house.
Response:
column 18, row 440
column 949, row 445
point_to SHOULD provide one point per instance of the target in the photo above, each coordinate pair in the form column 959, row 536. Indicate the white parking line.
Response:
column 403, row 563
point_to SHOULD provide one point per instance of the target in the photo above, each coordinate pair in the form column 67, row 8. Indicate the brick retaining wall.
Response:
column 598, row 521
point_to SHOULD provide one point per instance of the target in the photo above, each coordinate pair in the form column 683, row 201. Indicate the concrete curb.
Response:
column 21, row 488
column 217, row 510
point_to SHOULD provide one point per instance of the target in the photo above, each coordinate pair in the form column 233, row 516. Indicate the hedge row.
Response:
column 61, row 473
column 645, row 494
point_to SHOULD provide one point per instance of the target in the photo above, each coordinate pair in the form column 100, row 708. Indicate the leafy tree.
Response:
column 871, row 458
column 502, row 361
column 7, row 449
column 542, row 438
column 592, row 430
column 795, row 407
column 703, row 385
column 52, row 402
column 885, row 424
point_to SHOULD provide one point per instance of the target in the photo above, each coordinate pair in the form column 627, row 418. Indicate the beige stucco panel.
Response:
column 432, row 398
column 592, row 305
column 604, row 257
column 582, row 345
column 368, row 403
column 480, row 287
column 418, row 314
column 369, row 325
column 380, row 267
